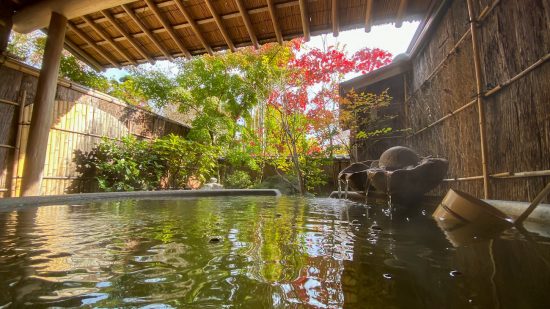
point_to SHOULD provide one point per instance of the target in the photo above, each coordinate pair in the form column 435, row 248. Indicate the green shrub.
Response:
column 126, row 165
column 238, row 180
column 131, row 164
column 182, row 159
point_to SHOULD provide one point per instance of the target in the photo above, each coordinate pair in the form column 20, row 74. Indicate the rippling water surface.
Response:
column 254, row 252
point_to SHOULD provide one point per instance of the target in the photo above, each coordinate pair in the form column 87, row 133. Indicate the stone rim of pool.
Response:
column 16, row 202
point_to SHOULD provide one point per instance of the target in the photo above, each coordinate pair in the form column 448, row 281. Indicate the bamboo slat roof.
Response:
column 149, row 30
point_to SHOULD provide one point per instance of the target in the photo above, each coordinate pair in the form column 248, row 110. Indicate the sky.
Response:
column 387, row 37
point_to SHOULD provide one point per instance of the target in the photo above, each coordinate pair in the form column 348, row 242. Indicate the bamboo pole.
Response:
column 533, row 205
column 16, row 151
column 504, row 175
column 8, row 102
column 43, row 104
column 480, row 104
column 487, row 94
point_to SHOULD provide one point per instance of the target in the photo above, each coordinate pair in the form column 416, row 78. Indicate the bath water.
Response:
column 259, row 252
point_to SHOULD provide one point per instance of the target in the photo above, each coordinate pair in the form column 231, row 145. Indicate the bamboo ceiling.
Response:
column 149, row 30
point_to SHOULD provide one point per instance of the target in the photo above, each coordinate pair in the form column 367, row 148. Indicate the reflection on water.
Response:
column 256, row 253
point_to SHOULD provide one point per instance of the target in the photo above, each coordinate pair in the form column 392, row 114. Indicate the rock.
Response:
column 400, row 172
column 398, row 157
column 215, row 239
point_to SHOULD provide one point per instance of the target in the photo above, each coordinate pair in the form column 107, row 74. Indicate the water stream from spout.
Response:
column 347, row 187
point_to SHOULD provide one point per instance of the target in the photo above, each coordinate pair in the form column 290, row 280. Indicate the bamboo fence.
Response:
column 82, row 117
column 511, row 86
column 456, row 92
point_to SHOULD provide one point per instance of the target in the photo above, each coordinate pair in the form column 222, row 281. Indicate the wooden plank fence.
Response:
column 82, row 117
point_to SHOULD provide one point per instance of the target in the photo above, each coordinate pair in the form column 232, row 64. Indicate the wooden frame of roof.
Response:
column 114, row 33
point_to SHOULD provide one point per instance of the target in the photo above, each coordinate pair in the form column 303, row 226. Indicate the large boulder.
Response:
column 398, row 157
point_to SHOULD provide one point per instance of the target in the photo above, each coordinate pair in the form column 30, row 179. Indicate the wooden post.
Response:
column 6, row 23
column 44, row 100
column 16, row 151
column 480, row 103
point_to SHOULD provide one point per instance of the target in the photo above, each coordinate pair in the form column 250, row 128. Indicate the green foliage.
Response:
column 182, row 159
column 359, row 114
column 132, row 164
column 312, row 169
column 74, row 70
column 127, row 165
column 287, row 185
column 238, row 180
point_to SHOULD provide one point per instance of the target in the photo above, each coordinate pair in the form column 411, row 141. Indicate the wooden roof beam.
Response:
column 168, row 27
column 335, row 19
column 107, row 38
column 247, row 23
column 273, row 14
column 401, row 13
column 82, row 55
column 305, row 19
column 218, row 21
column 368, row 16
column 194, row 26
column 148, row 33
column 258, row 10
column 129, row 38
column 93, row 44
column 37, row 15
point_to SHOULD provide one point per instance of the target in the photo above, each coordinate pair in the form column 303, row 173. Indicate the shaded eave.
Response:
column 402, row 63
column 115, row 33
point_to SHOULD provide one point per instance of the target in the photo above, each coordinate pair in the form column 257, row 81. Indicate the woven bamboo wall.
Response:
column 81, row 118
column 513, row 36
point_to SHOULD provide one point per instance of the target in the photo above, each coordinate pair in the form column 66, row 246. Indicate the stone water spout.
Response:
column 400, row 172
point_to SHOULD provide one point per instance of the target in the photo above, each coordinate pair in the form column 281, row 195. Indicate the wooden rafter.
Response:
column 129, row 38
column 218, row 21
column 194, row 26
column 93, row 44
column 107, row 38
column 305, row 19
column 335, row 18
column 36, row 15
column 368, row 16
column 401, row 13
column 82, row 55
column 247, row 23
column 273, row 15
column 148, row 33
column 258, row 10
column 168, row 27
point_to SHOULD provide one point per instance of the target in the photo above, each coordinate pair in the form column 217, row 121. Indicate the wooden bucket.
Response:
column 464, row 218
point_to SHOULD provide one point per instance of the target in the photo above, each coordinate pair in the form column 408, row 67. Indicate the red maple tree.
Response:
column 307, row 100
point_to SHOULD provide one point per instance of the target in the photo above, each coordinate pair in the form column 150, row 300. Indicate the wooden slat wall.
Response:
column 514, row 36
column 81, row 118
